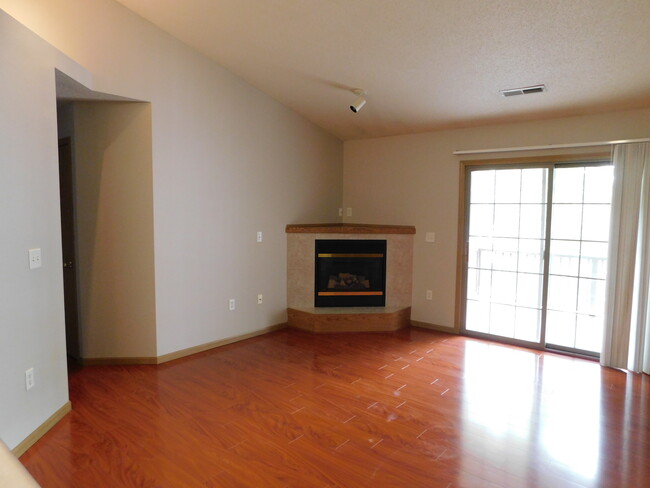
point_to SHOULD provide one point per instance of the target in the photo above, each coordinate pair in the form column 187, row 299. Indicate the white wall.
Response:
column 414, row 179
column 227, row 161
column 32, row 331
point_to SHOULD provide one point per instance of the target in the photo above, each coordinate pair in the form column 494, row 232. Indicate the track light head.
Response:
column 360, row 101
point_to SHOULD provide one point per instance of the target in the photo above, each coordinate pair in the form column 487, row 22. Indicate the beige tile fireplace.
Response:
column 301, row 262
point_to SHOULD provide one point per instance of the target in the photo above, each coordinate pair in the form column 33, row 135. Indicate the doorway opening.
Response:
column 536, row 239
column 106, row 191
column 68, row 241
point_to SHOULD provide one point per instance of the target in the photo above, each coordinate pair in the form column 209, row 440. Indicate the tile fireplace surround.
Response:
column 300, row 279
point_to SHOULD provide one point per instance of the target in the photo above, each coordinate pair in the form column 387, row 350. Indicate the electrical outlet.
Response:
column 29, row 379
column 349, row 212
column 430, row 237
column 259, row 236
column 231, row 304
column 340, row 212
column 35, row 258
column 260, row 298
column 429, row 295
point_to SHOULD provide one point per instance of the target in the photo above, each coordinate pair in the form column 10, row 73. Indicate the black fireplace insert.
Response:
column 350, row 273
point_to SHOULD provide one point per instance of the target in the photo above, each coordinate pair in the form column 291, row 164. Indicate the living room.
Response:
column 227, row 160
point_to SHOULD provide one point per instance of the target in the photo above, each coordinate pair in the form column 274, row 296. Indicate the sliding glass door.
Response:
column 578, row 257
column 505, row 260
column 536, row 254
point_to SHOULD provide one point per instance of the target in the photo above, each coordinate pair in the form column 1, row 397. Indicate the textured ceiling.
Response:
column 426, row 64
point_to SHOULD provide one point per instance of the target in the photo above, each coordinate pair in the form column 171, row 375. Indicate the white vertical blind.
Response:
column 626, row 342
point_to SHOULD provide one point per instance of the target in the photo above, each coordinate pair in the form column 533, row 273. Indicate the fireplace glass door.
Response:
column 350, row 273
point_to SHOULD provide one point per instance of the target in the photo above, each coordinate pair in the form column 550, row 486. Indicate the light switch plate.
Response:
column 259, row 236
column 430, row 237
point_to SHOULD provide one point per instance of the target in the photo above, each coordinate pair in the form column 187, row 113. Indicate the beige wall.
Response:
column 114, row 216
column 413, row 180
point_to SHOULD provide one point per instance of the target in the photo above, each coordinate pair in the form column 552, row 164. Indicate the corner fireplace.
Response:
column 350, row 273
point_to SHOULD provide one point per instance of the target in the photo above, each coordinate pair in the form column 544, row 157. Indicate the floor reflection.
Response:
column 570, row 416
column 531, row 416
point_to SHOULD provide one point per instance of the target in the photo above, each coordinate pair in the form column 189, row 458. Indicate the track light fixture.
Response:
column 360, row 101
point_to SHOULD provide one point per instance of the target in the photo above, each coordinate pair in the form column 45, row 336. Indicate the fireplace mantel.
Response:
column 349, row 229
column 302, row 314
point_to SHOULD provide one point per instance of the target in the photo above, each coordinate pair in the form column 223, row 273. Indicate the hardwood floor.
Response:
column 412, row 408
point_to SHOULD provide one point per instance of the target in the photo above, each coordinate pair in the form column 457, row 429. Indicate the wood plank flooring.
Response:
column 413, row 408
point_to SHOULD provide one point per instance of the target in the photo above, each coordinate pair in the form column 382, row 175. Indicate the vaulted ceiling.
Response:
column 425, row 64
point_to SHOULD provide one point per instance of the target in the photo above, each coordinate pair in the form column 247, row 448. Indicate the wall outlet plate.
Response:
column 29, row 379
column 260, row 299
column 35, row 258
column 429, row 295
column 259, row 236
column 231, row 304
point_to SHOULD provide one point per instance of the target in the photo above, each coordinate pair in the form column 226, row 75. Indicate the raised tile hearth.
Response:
column 301, row 262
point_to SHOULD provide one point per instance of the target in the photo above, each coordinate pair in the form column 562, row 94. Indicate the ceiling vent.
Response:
column 526, row 90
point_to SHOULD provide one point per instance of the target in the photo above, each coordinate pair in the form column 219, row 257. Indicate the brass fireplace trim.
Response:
column 351, row 255
column 349, row 293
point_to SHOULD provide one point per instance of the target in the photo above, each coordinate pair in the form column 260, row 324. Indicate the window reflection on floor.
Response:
column 508, row 426
column 570, row 427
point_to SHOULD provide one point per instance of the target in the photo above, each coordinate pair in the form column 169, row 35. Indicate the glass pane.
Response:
column 566, row 221
column 479, row 284
column 527, row 324
column 598, row 184
column 480, row 252
column 575, row 305
column 481, row 219
column 533, row 185
column 531, row 256
column 591, row 297
column 478, row 316
column 529, row 290
column 589, row 333
column 564, row 258
column 482, row 187
column 533, row 221
column 593, row 260
column 502, row 320
column 560, row 328
column 504, row 287
column 595, row 223
column 507, row 186
column 562, row 293
column 505, row 254
column 506, row 220
column 568, row 185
